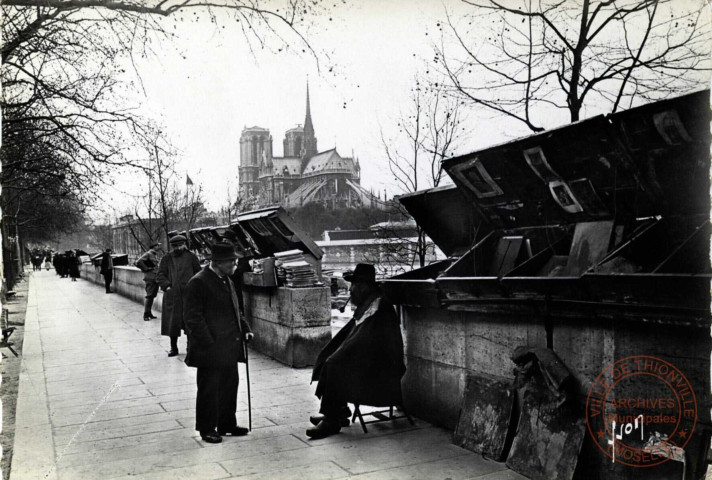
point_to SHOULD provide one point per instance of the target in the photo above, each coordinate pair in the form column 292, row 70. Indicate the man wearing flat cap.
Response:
column 216, row 336
column 363, row 363
column 148, row 264
column 174, row 271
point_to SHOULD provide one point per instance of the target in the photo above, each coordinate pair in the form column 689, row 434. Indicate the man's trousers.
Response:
column 216, row 403
column 108, row 277
column 151, row 292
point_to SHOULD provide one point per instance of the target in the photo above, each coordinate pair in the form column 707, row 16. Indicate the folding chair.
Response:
column 380, row 416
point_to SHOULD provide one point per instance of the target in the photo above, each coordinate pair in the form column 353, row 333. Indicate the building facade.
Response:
column 303, row 174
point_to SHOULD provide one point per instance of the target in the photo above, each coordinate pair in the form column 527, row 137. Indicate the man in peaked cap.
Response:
column 148, row 264
column 216, row 336
column 363, row 363
column 174, row 271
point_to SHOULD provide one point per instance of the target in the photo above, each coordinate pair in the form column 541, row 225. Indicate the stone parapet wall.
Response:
column 128, row 282
column 291, row 325
column 443, row 346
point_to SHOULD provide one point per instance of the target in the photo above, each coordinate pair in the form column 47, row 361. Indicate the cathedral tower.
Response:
column 255, row 149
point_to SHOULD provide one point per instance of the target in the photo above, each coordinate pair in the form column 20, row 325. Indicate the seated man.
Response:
column 363, row 363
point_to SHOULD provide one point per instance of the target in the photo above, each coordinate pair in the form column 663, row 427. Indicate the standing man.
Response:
column 73, row 265
column 174, row 271
column 363, row 363
column 148, row 264
column 107, row 269
column 216, row 332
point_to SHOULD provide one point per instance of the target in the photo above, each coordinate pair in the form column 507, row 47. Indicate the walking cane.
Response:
column 249, row 400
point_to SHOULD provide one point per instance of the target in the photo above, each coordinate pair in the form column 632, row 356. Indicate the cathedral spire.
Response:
column 308, row 120
column 309, row 138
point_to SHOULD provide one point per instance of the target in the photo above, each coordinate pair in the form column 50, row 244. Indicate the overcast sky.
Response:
column 205, row 86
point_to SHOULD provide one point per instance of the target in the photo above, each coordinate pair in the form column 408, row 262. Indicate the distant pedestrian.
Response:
column 62, row 265
column 47, row 263
column 73, row 265
column 174, row 271
column 107, row 269
column 216, row 332
column 148, row 264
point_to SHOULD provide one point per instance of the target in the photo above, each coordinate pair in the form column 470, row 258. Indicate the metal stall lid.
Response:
column 599, row 178
column 272, row 230
column 447, row 217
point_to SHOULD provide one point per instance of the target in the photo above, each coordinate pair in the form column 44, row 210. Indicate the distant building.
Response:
column 303, row 175
column 388, row 245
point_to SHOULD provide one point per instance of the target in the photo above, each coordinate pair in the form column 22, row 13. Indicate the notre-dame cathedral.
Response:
column 303, row 175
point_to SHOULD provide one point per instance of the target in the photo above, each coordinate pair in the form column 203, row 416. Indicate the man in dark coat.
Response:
column 174, row 271
column 148, row 264
column 72, row 265
column 363, row 363
column 107, row 269
column 216, row 332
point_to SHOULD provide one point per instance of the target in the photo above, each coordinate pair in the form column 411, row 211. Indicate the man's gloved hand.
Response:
column 249, row 336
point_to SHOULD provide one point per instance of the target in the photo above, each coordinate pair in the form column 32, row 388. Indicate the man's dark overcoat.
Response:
column 363, row 363
column 73, row 266
column 213, row 322
column 174, row 271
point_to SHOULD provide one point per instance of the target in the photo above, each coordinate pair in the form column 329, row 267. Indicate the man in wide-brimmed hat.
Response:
column 216, row 336
column 148, row 264
column 363, row 363
column 174, row 271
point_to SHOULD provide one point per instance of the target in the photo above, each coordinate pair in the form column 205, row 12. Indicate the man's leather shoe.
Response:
column 146, row 319
column 315, row 419
column 152, row 316
column 173, row 353
column 210, row 437
column 323, row 430
column 235, row 432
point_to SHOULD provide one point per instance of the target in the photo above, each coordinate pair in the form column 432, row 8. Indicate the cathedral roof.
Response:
column 328, row 160
column 293, row 164
column 255, row 129
column 298, row 128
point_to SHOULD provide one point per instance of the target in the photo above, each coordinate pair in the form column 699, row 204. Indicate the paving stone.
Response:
column 89, row 434
column 100, row 415
column 154, row 463
column 463, row 466
column 501, row 475
column 132, row 440
column 167, row 446
column 86, row 409
column 210, row 471
column 318, row 471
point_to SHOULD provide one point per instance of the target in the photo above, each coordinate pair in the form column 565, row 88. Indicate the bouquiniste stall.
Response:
column 576, row 296
column 291, row 324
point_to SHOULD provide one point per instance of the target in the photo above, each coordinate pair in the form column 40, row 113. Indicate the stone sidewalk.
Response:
column 99, row 399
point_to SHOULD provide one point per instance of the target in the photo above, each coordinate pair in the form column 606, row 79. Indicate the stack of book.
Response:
column 280, row 258
column 300, row 274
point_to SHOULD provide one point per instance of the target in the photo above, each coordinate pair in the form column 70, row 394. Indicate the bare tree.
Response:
column 236, row 202
column 160, row 205
column 101, row 236
column 428, row 132
column 525, row 59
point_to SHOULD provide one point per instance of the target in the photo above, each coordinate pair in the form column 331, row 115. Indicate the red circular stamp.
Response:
column 641, row 411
